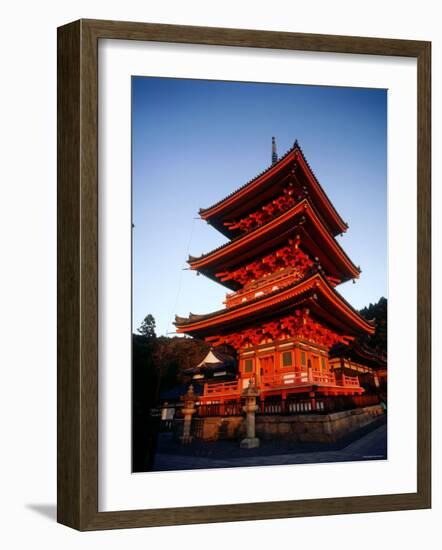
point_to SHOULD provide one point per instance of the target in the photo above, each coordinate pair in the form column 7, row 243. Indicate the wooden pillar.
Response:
column 309, row 370
column 262, row 404
column 312, row 396
column 376, row 380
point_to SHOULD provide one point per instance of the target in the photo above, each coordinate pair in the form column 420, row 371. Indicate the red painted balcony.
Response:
column 349, row 381
column 223, row 389
column 283, row 382
column 268, row 284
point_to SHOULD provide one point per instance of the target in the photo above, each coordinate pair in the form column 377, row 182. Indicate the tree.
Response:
column 157, row 365
column 147, row 327
column 378, row 313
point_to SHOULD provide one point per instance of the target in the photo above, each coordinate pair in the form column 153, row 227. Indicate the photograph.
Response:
column 259, row 274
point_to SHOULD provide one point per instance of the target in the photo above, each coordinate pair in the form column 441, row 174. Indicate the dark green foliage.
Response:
column 144, row 383
column 157, row 365
column 378, row 312
column 178, row 355
column 147, row 328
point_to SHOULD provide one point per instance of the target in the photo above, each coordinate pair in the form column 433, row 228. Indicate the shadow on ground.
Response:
column 49, row 511
column 368, row 443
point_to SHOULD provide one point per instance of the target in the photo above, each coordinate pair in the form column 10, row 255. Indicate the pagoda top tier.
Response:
column 271, row 192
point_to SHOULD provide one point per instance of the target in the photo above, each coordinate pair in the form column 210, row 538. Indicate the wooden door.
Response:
column 316, row 364
column 267, row 365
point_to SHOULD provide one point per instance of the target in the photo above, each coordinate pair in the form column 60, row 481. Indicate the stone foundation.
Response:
column 302, row 428
column 316, row 428
column 216, row 427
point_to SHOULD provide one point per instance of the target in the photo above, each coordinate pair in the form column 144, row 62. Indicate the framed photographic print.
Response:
column 243, row 275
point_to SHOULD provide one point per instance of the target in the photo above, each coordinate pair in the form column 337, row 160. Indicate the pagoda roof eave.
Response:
column 359, row 351
column 222, row 207
column 209, row 263
column 314, row 289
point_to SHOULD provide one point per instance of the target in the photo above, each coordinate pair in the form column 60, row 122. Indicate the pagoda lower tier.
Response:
column 282, row 341
column 282, row 368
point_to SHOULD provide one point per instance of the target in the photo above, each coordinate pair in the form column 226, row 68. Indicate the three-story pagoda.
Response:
column 281, row 264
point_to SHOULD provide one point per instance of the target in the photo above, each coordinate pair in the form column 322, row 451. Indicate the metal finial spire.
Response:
column 274, row 153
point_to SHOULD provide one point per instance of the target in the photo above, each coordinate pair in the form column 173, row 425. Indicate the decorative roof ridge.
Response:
column 297, row 146
column 284, row 156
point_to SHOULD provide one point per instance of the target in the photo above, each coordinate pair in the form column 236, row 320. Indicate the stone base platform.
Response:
column 302, row 428
column 316, row 428
column 249, row 443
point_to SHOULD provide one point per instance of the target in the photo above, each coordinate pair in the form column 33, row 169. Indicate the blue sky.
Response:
column 195, row 141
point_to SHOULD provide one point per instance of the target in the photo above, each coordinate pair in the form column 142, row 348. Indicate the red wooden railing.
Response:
column 289, row 379
column 281, row 380
column 273, row 406
column 297, row 379
column 245, row 295
column 222, row 388
column 325, row 378
column 220, row 409
column 308, row 405
column 349, row 381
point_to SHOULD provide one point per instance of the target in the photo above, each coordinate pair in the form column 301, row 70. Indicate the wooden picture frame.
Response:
column 78, row 274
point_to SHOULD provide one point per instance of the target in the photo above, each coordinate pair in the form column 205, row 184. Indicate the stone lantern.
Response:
column 188, row 411
column 250, row 394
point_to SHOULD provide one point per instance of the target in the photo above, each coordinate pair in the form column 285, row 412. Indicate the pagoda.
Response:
column 282, row 265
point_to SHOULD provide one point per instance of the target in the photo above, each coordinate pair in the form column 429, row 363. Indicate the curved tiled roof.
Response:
column 192, row 318
column 264, row 228
column 314, row 277
column 286, row 154
column 316, row 179
column 359, row 349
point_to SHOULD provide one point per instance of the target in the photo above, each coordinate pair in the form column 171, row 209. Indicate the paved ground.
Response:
column 368, row 444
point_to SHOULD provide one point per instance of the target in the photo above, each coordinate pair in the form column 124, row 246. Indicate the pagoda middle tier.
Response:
column 295, row 238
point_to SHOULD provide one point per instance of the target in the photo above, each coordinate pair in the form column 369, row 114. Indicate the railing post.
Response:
column 312, row 400
column 283, row 403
